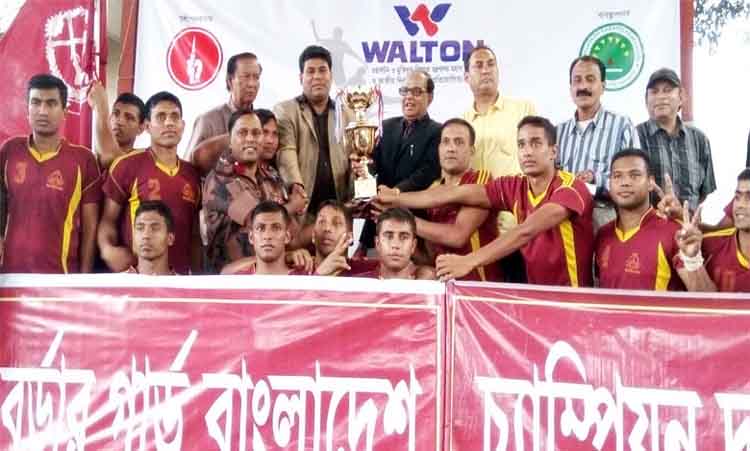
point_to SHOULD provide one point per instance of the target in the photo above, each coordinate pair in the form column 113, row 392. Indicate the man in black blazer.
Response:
column 406, row 158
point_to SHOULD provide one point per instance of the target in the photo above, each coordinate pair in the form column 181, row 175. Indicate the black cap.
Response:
column 663, row 74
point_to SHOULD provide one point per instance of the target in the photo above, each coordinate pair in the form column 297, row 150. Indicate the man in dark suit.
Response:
column 406, row 157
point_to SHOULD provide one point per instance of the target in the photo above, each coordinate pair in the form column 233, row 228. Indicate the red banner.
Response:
column 138, row 363
column 564, row 369
column 56, row 37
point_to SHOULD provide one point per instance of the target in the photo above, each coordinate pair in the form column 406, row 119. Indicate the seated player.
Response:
column 269, row 236
column 639, row 249
column 553, row 210
column 332, row 234
column 153, row 235
column 728, row 251
column 395, row 242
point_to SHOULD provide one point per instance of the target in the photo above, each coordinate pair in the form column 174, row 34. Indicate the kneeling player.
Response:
column 396, row 241
column 153, row 235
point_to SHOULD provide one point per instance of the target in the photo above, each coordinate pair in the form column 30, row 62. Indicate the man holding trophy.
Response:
column 405, row 157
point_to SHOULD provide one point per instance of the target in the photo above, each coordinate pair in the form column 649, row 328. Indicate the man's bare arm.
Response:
column 106, row 146
column 471, row 195
column 455, row 235
column 118, row 258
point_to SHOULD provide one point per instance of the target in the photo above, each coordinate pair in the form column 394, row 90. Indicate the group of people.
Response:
column 495, row 194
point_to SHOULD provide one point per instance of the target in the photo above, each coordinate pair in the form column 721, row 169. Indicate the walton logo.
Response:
column 418, row 51
column 422, row 14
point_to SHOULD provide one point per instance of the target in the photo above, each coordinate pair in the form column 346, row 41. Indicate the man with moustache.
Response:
column 406, row 157
column 640, row 250
column 233, row 189
column 677, row 149
column 728, row 251
column 155, row 173
column 116, row 132
column 588, row 140
column 243, row 84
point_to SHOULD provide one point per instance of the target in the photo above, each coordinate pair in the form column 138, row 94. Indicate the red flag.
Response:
column 56, row 37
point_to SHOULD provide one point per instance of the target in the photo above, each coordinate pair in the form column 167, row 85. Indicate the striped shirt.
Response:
column 592, row 149
column 686, row 157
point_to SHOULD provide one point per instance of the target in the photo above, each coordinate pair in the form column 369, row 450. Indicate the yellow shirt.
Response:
column 496, row 147
column 496, row 143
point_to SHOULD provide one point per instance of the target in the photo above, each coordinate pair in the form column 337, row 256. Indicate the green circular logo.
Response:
column 620, row 49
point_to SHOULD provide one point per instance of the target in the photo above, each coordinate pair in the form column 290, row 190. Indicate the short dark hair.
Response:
column 269, row 206
column 467, row 55
column 265, row 115
column 338, row 206
column 232, row 64
column 47, row 81
column 162, row 96
column 430, row 83
column 588, row 59
column 128, row 98
column 314, row 51
column 744, row 175
column 397, row 214
column 462, row 122
column 236, row 116
column 632, row 152
column 542, row 122
column 159, row 208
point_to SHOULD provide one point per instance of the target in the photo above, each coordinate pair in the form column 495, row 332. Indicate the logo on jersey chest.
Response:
column 55, row 180
column 19, row 173
column 188, row 194
column 633, row 264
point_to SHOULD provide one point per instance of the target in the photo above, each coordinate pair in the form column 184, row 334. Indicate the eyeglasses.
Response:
column 416, row 91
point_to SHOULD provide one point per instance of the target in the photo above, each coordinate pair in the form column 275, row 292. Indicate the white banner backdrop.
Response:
column 183, row 46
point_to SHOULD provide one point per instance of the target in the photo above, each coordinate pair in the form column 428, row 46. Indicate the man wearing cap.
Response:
column 675, row 148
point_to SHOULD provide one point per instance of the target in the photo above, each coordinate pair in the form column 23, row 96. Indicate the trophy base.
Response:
column 365, row 189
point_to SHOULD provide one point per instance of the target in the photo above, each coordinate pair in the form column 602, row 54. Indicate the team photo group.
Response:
column 496, row 193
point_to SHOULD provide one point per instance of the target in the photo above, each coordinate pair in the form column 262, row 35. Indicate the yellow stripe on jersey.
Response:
column 721, row 232
column 663, row 270
column 134, row 203
column 569, row 245
column 75, row 200
column 742, row 259
column 475, row 245
column 567, row 178
column 117, row 160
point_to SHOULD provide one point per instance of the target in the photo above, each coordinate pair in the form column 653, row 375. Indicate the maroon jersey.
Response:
column 45, row 194
column 727, row 266
column 137, row 177
column 251, row 271
column 641, row 258
column 561, row 255
column 485, row 234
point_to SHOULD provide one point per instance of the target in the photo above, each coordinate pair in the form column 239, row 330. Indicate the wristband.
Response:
column 691, row 263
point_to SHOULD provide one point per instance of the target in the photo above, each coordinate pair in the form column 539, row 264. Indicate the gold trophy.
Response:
column 361, row 135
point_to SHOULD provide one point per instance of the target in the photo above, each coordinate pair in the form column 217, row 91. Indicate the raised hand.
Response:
column 669, row 205
column 336, row 260
column 689, row 237
column 97, row 97
column 300, row 259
